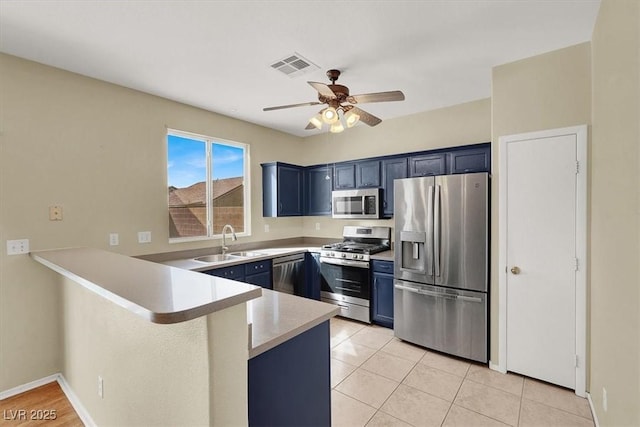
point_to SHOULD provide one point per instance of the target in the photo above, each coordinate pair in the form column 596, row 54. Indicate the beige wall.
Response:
column 463, row 124
column 160, row 375
column 99, row 151
column 547, row 91
column 615, row 213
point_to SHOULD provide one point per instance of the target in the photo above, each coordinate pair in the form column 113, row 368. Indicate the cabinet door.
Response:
column 368, row 174
column 431, row 164
column 382, row 299
column 260, row 279
column 392, row 169
column 313, row 279
column 289, row 191
column 318, row 190
column 471, row 160
column 233, row 273
column 344, row 176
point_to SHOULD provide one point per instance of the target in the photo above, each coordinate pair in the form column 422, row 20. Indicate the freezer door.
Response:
column 413, row 213
column 442, row 319
column 461, row 231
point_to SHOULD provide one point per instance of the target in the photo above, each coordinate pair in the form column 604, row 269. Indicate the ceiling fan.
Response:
column 335, row 96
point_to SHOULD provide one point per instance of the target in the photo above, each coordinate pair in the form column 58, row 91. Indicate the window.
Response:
column 208, row 186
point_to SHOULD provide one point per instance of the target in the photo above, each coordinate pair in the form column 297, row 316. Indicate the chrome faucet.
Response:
column 224, row 237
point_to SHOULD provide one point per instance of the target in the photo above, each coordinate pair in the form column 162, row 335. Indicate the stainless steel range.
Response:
column 345, row 269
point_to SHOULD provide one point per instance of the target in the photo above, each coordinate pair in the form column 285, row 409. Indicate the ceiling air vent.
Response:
column 294, row 65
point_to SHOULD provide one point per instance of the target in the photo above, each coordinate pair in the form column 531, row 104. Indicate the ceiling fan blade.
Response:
column 394, row 95
column 365, row 117
column 281, row 107
column 323, row 90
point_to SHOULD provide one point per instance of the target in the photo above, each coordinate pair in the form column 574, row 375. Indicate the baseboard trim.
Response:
column 496, row 367
column 66, row 389
column 28, row 386
column 593, row 410
column 75, row 402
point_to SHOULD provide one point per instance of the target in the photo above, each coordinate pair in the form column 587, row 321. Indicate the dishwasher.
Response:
column 288, row 274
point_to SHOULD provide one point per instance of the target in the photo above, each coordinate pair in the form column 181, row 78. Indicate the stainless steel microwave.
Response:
column 357, row 204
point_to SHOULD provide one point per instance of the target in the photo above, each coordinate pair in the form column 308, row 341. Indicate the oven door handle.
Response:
column 345, row 262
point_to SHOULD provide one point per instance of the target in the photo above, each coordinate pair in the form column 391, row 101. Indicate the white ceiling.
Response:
column 217, row 54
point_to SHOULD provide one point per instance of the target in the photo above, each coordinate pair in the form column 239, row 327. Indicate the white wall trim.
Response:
column 28, row 386
column 66, row 389
column 593, row 410
column 581, row 247
column 75, row 402
column 496, row 367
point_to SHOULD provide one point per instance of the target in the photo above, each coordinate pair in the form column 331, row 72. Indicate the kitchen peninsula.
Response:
column 182, row 339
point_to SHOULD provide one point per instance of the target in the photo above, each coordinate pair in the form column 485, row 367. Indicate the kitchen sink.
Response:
column 216, row 258
column 246, row 254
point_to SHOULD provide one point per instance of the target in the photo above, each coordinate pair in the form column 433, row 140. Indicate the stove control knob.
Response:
column 354, row 256
column 344, row 255
column 361, row 257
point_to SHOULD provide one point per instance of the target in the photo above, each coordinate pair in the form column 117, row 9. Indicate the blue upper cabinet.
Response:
column 281, row 189
column 318, row 183
column 428, row 164
column 368, row 174
column 392, row 169
column 344, row 176
column 470, row 160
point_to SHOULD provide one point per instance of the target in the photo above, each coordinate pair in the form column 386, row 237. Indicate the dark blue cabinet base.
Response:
column 290, row 385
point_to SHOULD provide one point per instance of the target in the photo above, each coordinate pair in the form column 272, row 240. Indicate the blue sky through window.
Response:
column 187, row 161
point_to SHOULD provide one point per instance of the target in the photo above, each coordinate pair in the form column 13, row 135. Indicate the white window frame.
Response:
column 209, row 141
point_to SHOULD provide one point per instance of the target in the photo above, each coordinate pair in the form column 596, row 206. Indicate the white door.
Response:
column 541, row 258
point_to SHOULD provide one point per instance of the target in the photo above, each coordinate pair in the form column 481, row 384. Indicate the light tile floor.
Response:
column 379, row 380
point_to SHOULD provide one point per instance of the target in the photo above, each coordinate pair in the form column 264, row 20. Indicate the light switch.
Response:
column 55, row 213
column 114, row 239
column 144, row 237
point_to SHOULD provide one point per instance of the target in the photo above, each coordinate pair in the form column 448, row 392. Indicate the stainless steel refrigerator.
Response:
column 441, row 263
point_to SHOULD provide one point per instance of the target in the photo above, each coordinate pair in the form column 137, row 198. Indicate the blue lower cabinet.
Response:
column 382, row 293
column 313, row 277
column 234, row 273
column 259, row 273
column 290, row 385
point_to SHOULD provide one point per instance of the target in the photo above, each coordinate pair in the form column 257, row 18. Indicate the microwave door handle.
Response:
column 437, row 225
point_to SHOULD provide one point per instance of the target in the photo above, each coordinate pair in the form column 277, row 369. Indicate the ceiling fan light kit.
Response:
column 336, row 127
column 351, row 117
column 334, row 95
column 316, row 121
column 330, row 115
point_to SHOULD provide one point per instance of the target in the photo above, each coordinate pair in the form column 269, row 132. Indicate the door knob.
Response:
column 515, row 270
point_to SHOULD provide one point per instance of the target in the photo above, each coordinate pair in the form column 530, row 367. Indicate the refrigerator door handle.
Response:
column 469, row 299
column 428, row 244
column 436, row 231
column 427, row 293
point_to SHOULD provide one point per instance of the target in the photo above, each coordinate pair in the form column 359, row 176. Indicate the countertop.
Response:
column 383, row 256
column 156, row 292
column 277, row 317
column 269, row 253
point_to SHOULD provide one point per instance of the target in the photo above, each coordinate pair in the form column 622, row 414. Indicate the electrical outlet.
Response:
column 266, row 228
column 114, row 239
column 144, row 237
column 605, row 403
column 317, row 226
column 55, row 213
column 100, row 387
column 17, row 247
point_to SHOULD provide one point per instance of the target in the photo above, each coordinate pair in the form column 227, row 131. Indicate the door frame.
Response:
column 581, row 246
